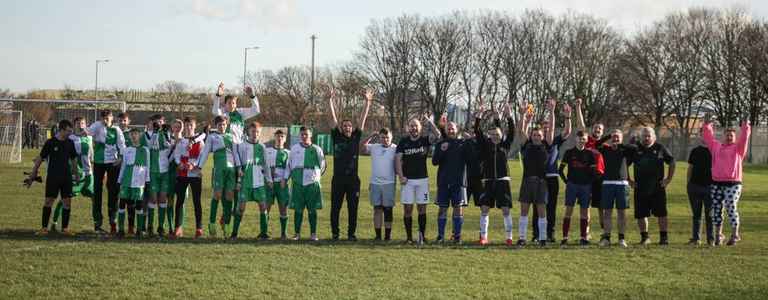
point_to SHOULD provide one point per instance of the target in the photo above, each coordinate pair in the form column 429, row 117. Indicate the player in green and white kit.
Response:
column 254, row 177
column 134, row 175
column 84, row 149
column 175, row 136
column 108, row 143
column 223, row 149
column 306, row 163
column 277, row 161
column 124, row 121
column 236, row 116
column 157, row 139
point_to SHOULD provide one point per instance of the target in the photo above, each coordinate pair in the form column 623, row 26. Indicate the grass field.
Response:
column 87, row 266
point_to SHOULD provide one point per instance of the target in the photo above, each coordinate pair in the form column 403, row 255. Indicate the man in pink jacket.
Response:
column 727, row 158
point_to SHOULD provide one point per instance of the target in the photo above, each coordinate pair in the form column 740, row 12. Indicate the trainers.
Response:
column 179, row 233
column 664, row 242
column 296, row 237
column 67, row 232
column 198, row 233
column 510, row 243
column 160, row 232
column 439, row 239
column 456, row 239
column 584, row 242
column 694, row 242
column 521, row 243
column 645, row 241
column 542, row 243
column 212, row 230
column 313, row 237
column 335, row 237
column 605, row 242
column 622, row 243
column 130, row 230
column 483, row 241
column 42, row 232
column 283, row 237
column 352, row 238
column 98, row 230
column 711, row 242
column 564, row 242
column 732, row 241
column 420, row 240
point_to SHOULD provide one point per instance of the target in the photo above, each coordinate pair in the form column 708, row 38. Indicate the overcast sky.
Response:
column 49, row 44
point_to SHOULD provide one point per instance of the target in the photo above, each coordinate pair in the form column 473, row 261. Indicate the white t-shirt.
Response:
column 382, row 163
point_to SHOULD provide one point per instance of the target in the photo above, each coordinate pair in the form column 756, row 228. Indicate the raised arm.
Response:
column 368, row 101
column 551, row 135
column 216, row 110
column 744, row 133
column 567, row 126
column 434, row 134
column 579, row 115
column 525, row 117
column 708, row 135
column 331, row 98
column 255, row 109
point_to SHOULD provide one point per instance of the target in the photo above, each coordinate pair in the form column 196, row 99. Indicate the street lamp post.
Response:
column 245, row 62
column 312, row 72
column 96, row 87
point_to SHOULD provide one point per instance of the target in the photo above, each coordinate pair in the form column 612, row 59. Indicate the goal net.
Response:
column 10, row 136
column 39, row 119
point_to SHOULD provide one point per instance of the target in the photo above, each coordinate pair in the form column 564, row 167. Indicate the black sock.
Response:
column 422, row 223
column 607, row 236
column 387, row 233
column 131, row 215
column 621, row 236
column 663, row 235
column 46, row 216
column 644, row 234
column 378, row 233
column 408, row 221
column 65, row 218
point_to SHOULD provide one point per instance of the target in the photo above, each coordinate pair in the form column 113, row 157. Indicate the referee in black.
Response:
column 61, row 157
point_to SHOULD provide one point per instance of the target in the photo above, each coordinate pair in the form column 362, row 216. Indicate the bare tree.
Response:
column 388, row 56
column 440, row 57
column 726, row 88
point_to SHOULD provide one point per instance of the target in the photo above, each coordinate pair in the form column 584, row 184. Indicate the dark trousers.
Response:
column 553, row 188
column 340, row 187
column 196, row 184
column 99, row 171
column 699, row 197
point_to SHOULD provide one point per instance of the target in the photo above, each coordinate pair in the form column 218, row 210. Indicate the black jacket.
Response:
column 493, row 157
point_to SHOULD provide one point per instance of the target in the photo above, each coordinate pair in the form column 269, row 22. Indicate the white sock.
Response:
column 508, row 226
column 164, row 205
column 542, row 229
column 523, row 228
column 152, row 206
column 483, row 226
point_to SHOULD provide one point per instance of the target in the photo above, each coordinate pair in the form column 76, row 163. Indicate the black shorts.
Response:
column 475, row 189
column 534, row 190
column 497, row 194
column 597, row 193
column 651, row 203
column 58, row 186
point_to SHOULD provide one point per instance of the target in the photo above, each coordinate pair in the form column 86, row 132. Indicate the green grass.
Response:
column 89, row 267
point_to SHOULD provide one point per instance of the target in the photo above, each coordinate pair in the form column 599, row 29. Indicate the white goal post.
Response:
column 10, row 136
column 39, row 118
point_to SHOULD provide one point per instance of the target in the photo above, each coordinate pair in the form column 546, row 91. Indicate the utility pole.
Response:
column 312, row 72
